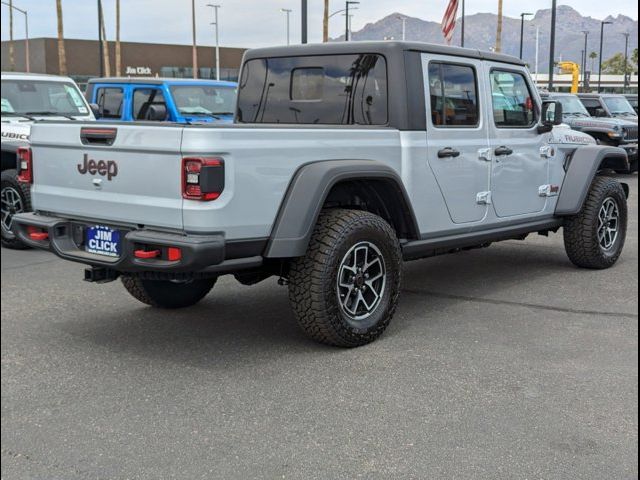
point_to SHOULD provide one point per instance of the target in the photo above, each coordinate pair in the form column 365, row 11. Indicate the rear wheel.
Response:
column 595, row 237
column 168, row 293
column 15, row 199
column 344, row 291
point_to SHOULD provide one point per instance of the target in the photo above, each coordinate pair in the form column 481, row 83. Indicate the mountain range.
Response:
column 480, row 33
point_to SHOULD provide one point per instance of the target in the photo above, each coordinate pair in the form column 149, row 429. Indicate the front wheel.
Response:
column 344, row 291
column 15, row 199
column 595, row 237
column 168, row 293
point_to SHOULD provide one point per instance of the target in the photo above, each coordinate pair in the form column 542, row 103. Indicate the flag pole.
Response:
column 462, row 27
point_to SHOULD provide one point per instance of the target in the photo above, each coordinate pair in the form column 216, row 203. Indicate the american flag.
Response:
column 449, row 20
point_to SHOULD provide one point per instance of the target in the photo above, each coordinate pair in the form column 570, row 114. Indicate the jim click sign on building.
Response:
column 138, row 71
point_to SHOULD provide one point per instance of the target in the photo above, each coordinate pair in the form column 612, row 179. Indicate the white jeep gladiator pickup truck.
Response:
column 343, row 161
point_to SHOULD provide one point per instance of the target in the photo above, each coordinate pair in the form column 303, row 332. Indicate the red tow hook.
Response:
column 36, row 234
column 146, row 253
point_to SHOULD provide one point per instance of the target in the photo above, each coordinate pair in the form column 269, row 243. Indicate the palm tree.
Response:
column 105, row 45
column 593, row 56
column 12, row 60
column 499, row 28
column 62, row 57
column 325, row 22
column 118, row 56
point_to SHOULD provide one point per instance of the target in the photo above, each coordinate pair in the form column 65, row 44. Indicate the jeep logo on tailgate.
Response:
column 101, row 167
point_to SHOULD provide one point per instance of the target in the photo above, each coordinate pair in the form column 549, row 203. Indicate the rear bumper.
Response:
column 203, row 254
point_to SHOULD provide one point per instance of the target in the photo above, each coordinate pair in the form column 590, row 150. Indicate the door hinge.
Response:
column 484, row 154
column 547, row 151
column 549, row 190
column 483, row 198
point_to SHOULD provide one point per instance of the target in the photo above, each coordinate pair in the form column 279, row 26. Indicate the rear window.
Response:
column 109, row 100
column 324, row 90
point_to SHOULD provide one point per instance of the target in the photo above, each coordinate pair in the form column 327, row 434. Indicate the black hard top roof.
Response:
column 383, row 48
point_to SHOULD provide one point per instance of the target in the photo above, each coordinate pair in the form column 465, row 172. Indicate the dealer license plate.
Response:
column 103, row 241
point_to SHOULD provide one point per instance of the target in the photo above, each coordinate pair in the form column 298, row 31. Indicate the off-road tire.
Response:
column 9, row 181
column 313, row 290
column 581, row 231
column 168, row 294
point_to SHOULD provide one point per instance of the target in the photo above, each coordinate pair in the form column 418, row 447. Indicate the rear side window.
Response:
column 324, row 90
column 110, row 102
column 591, row 104
column 454, row 95
column 143, row 98
column 513, row 104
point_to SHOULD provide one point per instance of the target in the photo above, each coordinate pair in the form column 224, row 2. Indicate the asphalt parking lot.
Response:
column 506, row 363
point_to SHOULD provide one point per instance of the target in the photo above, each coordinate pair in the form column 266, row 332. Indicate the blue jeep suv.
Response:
column 162, row 99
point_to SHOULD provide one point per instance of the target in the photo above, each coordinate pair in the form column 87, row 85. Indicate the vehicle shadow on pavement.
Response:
column 247, row 324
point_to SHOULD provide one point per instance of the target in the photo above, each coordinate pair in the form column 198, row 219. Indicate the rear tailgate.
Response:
column 136, row 179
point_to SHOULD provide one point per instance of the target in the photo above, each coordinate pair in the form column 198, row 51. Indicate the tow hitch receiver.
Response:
column 100, row 275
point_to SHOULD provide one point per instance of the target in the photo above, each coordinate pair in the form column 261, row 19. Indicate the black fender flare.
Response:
column 307, row 193
column 585, row 164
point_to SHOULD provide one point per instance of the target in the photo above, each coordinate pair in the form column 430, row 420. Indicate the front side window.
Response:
column 204, row 100
column 323, row 90
column 454, row 96
column 109, row 101
column 513, row 104
column 42, row 98
column 143, row 98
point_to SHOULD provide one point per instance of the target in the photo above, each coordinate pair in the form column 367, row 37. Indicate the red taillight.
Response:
column 25, row 165
column 202, row 178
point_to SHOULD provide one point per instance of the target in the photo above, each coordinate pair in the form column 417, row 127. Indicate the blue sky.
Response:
column 250, row 23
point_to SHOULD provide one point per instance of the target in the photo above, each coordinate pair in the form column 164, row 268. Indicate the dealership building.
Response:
column 138, row 59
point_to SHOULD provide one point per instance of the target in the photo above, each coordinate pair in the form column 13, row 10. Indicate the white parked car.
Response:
column 26, row 99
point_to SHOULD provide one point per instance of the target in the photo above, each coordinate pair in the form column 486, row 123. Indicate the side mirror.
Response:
column 551, row 116
column 95, row 109
column 157, row 112
column 600, row 112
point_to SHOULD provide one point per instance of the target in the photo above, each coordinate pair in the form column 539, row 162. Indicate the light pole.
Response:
column 215, row 23
column 346, row 22
column 537, row 60
column 602, row 24
column 287, row 11
column 552, row 42
column 194, row 49
column 404, row 26
column 584, row 60
column 26, row 33
column 304, row 8
column 626, row 61
column 522, row 15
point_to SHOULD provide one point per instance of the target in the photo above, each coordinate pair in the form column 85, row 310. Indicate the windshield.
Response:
column 41, row 97
column 204, row 99
column 619, row 106
column 571, row 105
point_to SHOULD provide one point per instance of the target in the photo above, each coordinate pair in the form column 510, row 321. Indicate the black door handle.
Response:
column 448, row 152
column 501, row 151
